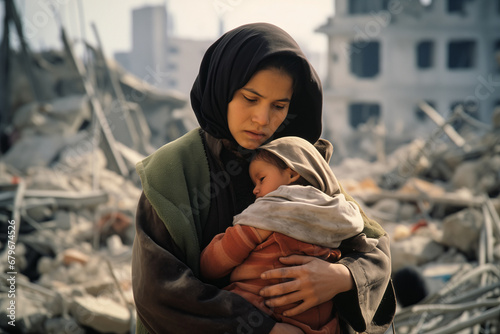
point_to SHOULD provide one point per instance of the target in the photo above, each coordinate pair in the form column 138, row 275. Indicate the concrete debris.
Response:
column 33, row 151
column 100, row 313
column 74, row 256
column 62, row 115
column 30, row 314
column 439, row 200
column 63, row 326
column 387, row 205
column 466, row 175
column 69, row 142
column 462, row 229
column 415, row 251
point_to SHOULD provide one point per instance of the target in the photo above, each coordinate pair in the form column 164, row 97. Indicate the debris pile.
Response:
column 72, row 222
column 439, row 200
column 70, row 136
column 70, row 251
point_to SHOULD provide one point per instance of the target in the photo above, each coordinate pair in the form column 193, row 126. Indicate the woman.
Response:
column 254, row 84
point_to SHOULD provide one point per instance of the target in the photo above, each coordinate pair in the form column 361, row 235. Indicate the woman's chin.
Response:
column 251, row 145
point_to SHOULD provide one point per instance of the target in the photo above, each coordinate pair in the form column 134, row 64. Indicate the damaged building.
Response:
column 385, row 57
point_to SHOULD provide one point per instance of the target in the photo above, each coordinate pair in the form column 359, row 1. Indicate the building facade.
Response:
column 183, row 59
column 385, row 56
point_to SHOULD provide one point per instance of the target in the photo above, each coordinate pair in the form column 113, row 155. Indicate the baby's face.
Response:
column 267, row 177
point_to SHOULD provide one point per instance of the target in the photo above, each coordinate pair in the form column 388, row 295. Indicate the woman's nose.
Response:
column 261, row 115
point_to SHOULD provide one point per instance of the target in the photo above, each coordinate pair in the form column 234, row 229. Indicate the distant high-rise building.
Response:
column 149, row 41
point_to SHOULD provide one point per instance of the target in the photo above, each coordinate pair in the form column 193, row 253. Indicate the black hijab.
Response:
column 229, row 64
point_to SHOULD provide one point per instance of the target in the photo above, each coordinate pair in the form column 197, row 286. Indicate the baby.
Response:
column 299, row 209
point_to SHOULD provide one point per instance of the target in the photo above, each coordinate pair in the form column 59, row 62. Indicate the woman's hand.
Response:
column 282, row 328
column 313, row 281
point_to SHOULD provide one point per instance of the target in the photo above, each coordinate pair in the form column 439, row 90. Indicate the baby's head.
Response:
column 268, row 172
column 292, row 160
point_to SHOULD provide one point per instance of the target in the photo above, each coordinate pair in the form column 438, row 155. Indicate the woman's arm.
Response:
column 170, row 299
column 358, row 284
column 371, row 305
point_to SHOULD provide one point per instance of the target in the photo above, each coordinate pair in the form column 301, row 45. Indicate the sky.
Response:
column 195, row 19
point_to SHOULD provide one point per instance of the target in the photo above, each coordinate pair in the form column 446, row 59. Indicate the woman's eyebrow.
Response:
column 260, row 95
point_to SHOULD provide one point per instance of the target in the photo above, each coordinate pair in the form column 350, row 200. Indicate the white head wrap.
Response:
column 305, row 159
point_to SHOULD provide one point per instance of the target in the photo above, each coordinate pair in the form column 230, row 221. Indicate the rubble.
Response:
column 462, row 229
column 67, row 246
column 102, row 314
column 415, row 251
column 439, row 200
column 70, row 135
column 74, row 256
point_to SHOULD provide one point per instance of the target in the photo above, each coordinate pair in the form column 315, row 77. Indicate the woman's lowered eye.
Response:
column 249, row 99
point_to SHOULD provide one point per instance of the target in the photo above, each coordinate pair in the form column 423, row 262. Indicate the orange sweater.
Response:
column 241, row 252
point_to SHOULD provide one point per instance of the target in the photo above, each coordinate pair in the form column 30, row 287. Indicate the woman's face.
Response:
column 259, row 108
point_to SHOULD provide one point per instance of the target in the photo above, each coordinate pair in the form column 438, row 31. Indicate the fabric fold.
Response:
column 306, row 214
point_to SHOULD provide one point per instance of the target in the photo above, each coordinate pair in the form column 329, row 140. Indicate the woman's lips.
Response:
column 255, row 134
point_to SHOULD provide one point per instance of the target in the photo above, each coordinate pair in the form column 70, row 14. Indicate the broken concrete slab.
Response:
column 461, row 230
column 418, row 186
column 65, row 199
column 80, row 159
column 466, row 175
column 481, row 175
column 63, row 115
column 72, row 255
column 101, row 314
column 408, row 211
column 47, row 179
column 387, row 205
column 62, row 326
column 98, row 286
column 414, row 251
column 401, row 232
column 29, row 313
column 33, row 151
column 115, row 245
